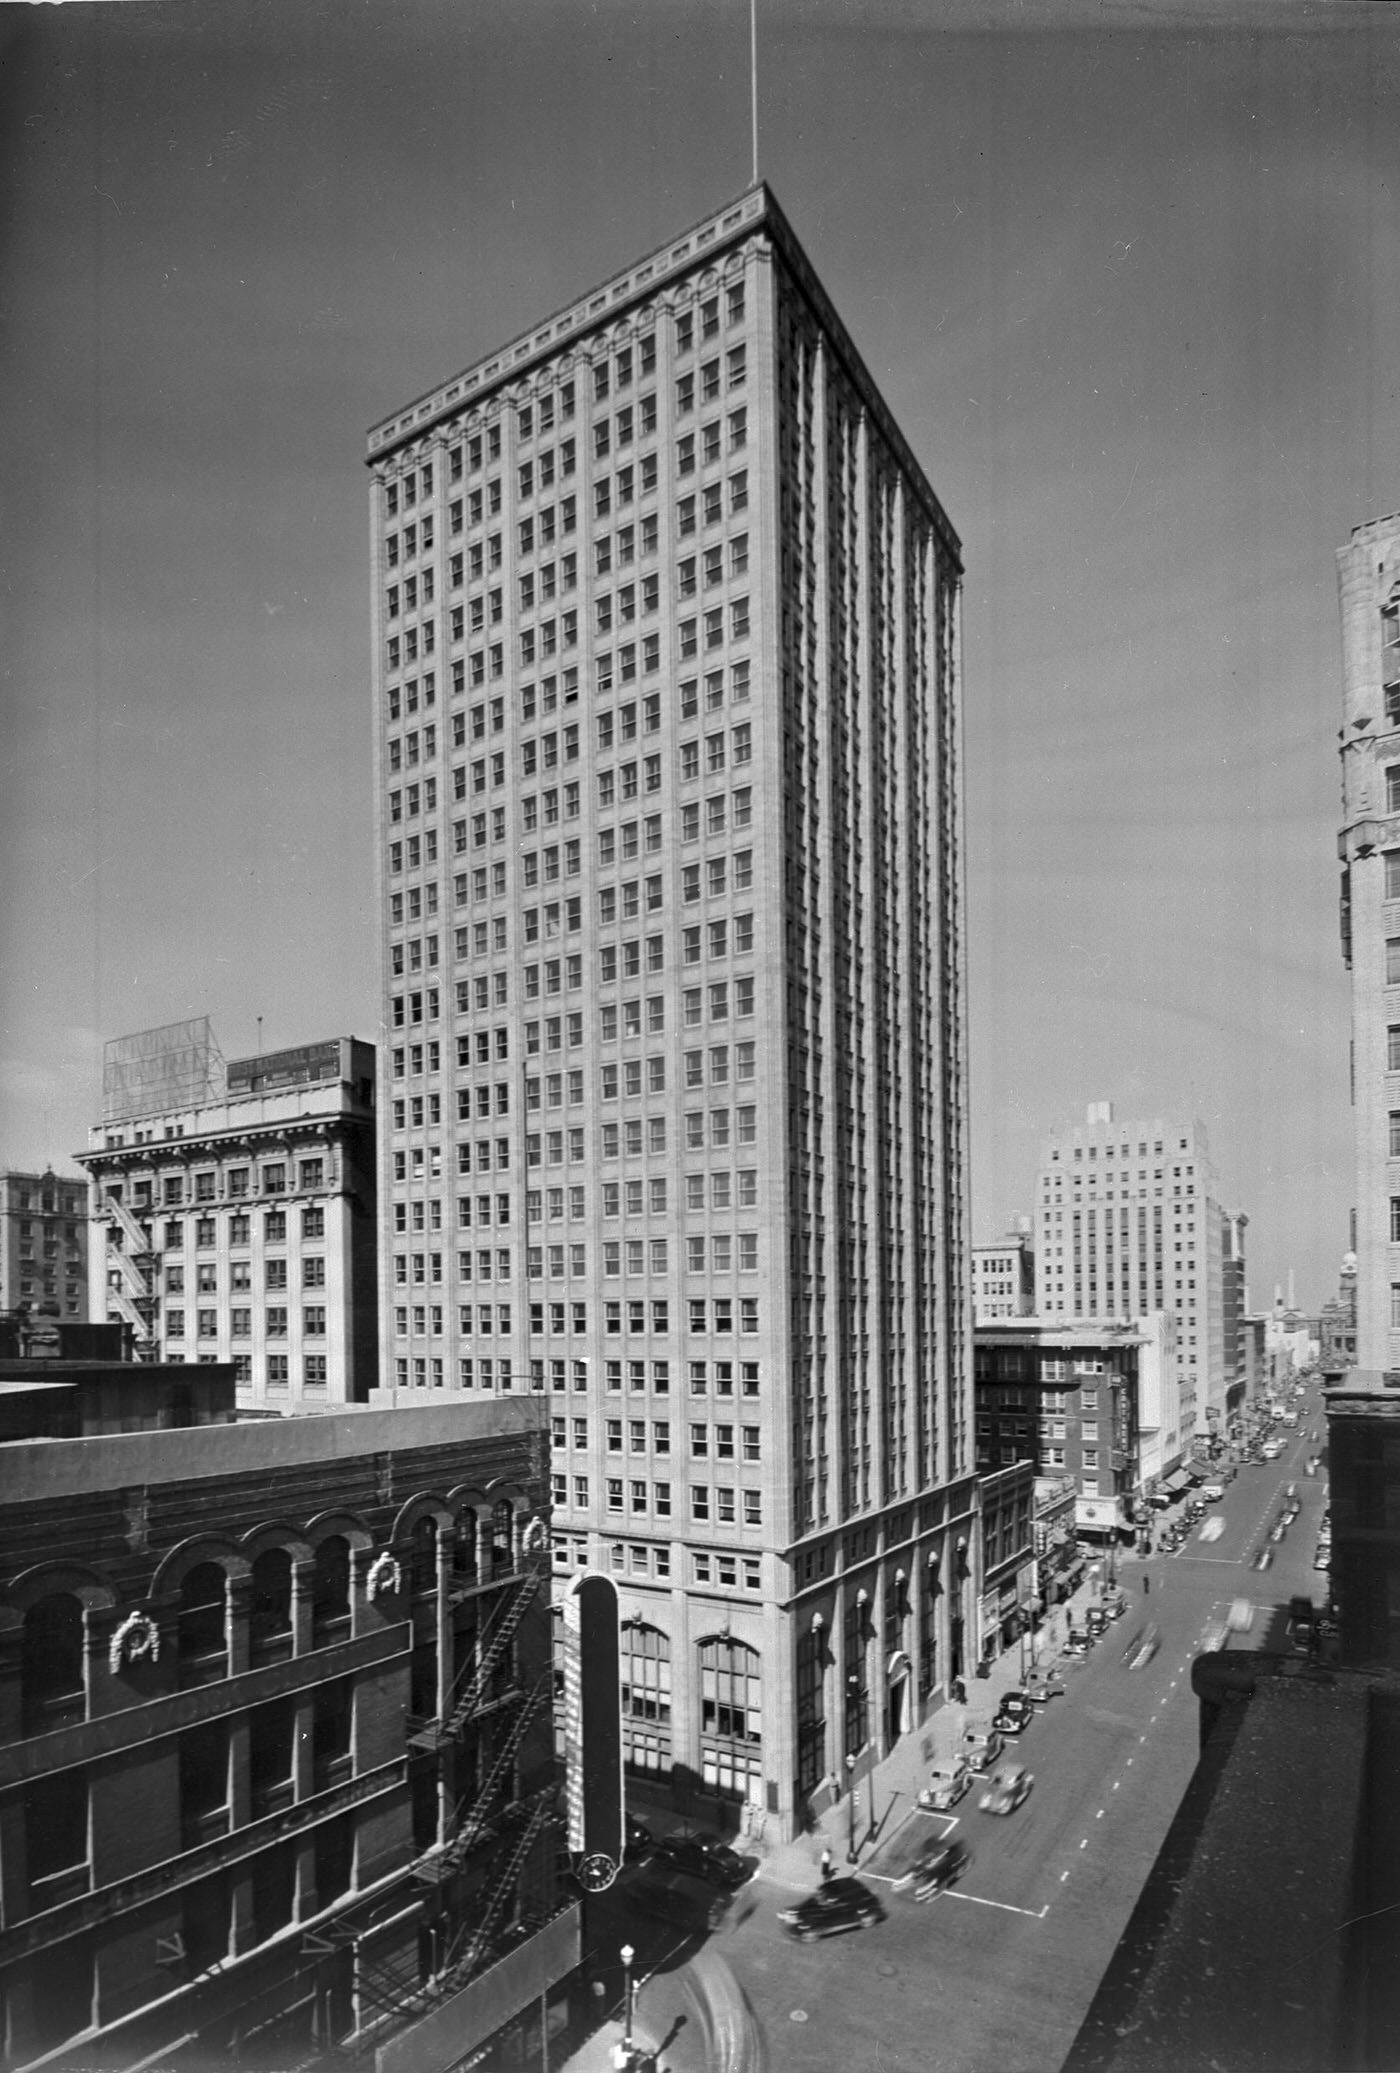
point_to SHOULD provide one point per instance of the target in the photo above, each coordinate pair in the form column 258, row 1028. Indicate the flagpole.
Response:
column 753, row 81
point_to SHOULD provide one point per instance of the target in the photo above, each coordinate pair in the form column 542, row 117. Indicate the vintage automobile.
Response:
column 935, row 1870
column 836, row 1906
column 1006, row 1789
column 948, row 1780
column 981, row 1746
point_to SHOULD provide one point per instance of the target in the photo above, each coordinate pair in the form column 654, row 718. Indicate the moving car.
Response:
column 639, row 1840
column 935, row 1870
column 1006, row 1789
column 1142, row 1647
column 836, row 1906
column 981, row 1746
column 948, row 1780
column 1264, row 1558
column 1211, row 1529
column 703, row 1857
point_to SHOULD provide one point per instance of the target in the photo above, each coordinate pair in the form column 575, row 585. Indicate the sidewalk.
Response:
column 898, row 1779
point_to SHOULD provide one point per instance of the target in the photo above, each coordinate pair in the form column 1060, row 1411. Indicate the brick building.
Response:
column 276, row 1764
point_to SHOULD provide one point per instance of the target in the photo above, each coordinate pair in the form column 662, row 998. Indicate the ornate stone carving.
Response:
column 135, row 1639
column 384, row 1574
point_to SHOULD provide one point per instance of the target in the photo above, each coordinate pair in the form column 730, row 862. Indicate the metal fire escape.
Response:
column 135, row 1265
column 391, row 1992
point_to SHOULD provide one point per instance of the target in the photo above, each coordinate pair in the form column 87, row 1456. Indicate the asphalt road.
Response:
column 998, row 1973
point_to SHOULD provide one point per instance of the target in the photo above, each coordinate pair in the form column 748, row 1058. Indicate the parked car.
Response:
column 1006, row 1789
column 639, row 1840
column 704, row 1857
column 948, row 1780
column 677, row 1896
column 981, row 1746
column 1078, row 1641
column 1044, row 1685
column 835, row 1907
column 1115, row 1602
column 935, row 1871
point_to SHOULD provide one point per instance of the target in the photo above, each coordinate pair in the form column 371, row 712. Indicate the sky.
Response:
column 1127, row 273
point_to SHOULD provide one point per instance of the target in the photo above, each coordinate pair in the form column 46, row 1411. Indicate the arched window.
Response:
column 52, row 1664
column 330, row 1590
column 502, row 1537
column 422, row 1558
column 731, row 1718
column 464, row 1560
column 202, row 1632
column 645, row 1663
column 270, row 1620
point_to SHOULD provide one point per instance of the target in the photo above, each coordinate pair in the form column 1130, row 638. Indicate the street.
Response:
column 998, row 1973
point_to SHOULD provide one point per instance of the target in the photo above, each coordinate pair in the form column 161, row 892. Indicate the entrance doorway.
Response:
column 897, row 1701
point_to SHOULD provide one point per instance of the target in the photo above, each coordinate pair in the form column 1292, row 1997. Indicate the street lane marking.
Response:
column 1063, row 1876
column 1085, row 1844
column 1099, row 1815
column 1116, row 1781
column 1037, row 1914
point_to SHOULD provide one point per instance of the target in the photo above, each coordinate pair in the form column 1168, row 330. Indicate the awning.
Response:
column 1177, row 1481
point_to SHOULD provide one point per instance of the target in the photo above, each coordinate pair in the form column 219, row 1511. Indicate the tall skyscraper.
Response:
column 668, row 738
column 1368, row 571
column 1127, row 1222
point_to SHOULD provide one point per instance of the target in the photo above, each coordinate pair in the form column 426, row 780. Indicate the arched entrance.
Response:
column 897, row 1688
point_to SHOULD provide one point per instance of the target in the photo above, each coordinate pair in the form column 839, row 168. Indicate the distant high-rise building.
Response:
column 238, row 1209
column 1369, row 844
column 1127, row 1223
column 1003, row 1277
column 667, row 692
column 44, row 1243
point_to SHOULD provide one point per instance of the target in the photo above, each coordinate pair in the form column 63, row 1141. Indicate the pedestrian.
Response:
column 828, row 1868
column 1146, row 1585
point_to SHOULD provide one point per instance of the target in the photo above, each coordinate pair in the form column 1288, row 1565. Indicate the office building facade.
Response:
column 238, row 1218
column 1368, row 570
column 44, row 1243
column 1066, row 1400
column 1127, row 1223
column 1003, row 1278
column 668, row 736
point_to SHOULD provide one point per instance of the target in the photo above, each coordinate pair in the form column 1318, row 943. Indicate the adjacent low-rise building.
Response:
column 1070, row 1399
column 237, row 1204
column 276, row 1754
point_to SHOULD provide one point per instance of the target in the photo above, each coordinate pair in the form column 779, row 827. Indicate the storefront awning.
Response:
column 1177, row 1481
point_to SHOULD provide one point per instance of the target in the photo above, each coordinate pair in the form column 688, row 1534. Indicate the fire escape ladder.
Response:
column 480, row 1817
column 461, row 1969
column 498, row 1639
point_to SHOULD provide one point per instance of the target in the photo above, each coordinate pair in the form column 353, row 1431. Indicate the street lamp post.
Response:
column 850, row 1810
column 627, row 1954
